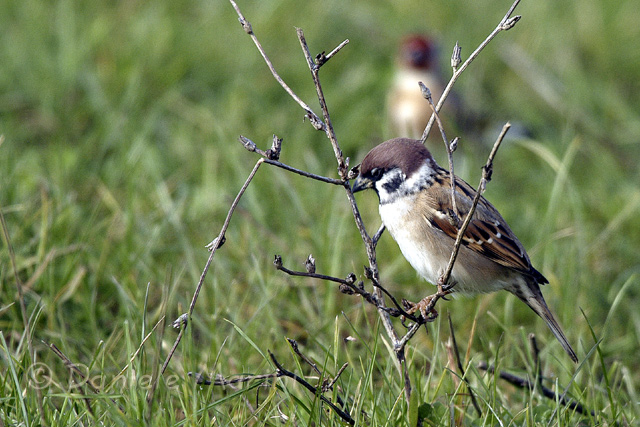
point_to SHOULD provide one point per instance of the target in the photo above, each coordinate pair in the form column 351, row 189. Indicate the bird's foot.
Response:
column 426, row 307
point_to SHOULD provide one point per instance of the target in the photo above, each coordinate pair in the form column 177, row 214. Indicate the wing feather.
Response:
column 488, row 233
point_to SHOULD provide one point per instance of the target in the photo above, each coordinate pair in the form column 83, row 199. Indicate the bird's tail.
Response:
column 534, row 299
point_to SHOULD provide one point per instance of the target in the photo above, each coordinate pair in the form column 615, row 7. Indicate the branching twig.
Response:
column 349, row 286
column 294, row 345
column 213, row 247
column 316, row 121
column 271, row 157
column 314, row 67
column 505, row 24
column 283, row 372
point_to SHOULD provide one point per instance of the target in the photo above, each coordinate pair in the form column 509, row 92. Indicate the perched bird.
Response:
column 417, row 61
column 416, row 206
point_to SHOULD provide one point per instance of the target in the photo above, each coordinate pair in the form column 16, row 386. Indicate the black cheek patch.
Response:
column 393, row 184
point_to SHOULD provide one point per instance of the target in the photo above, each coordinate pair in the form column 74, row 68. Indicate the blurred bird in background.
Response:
column 408, row 111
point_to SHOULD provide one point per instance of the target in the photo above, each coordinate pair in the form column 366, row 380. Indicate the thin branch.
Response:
column 222, row 381
column 268, row 158
column 86, row 380
column 213, row 247
column 349, row 286
column 505, row 24
column 486, row 177
column 315, row 68
column 322, row 58
column 546, row 392
column 294, row 346
column 283, row 372
column 426, row 93
column 316, row 121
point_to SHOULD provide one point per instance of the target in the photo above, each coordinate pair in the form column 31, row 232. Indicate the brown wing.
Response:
column 487, row 234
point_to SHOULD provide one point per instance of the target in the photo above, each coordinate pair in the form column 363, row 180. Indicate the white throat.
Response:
column 394, row 184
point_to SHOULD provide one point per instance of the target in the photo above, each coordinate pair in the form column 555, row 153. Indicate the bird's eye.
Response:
column 376, row 173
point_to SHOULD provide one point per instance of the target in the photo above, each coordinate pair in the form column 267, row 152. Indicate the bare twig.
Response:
column 316, row 121
column 283, row 372
column 85, row 379
column 326, row 125
column 427, row 305
column 273, row 160
column 426, row 93
column 546, row 392
column 349, row 286
column 486, row 177
column 294, row 345
column 505, row 24
column 213, row 247
column 343, row 167
column 222, row 381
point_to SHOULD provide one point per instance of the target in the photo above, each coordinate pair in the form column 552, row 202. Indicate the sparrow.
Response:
column 417, row 61
column 416, row 208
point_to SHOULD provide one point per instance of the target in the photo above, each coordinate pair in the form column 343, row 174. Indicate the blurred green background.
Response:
column 120, row 160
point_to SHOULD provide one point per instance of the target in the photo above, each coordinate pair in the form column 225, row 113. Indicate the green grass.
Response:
column 120, row 160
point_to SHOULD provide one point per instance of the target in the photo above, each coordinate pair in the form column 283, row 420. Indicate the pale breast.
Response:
column 428, row 251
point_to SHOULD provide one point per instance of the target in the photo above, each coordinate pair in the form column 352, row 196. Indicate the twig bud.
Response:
column 353, row 172
column 509, row 23
column 310, row 264
column 277, row 261
column 315, row 121
column 455, row 57
column 345, row 289
column 181, row 321
column 426, row 93
column 321, row 58
column 216, row 243
column 368, row 272
column 273, row 153
column 246, row 26
column 350, row 279
column 454, row 144
column 248, row 144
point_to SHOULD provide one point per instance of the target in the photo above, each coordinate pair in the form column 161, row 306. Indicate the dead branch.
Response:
column 546, row 392
column 271, row 157
column 505, row 24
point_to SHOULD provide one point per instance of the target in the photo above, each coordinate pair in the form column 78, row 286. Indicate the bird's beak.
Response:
column 361, row 184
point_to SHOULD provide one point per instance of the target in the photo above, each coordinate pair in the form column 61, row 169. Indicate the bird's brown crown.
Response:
column 404, row 153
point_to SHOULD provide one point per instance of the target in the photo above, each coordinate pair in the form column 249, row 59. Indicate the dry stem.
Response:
column 505, row 24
